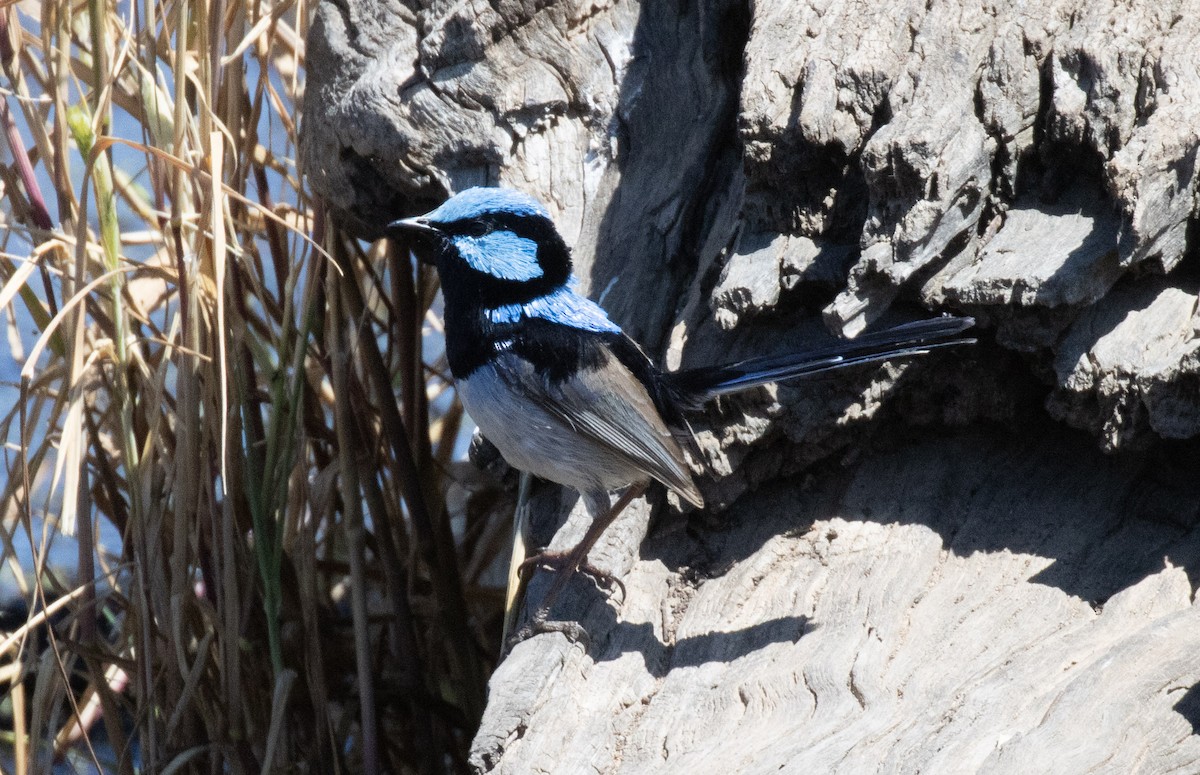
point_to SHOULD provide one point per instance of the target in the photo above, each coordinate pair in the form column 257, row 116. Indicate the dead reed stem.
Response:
column 224, row 496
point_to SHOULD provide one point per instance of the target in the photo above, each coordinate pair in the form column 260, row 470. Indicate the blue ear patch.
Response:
column 563, row 306
column 501, row 254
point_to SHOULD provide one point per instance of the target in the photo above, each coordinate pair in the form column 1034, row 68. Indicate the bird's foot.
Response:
column 542, row 623
column 563, row 561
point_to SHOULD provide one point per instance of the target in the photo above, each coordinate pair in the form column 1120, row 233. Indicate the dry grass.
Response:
column 217, row 377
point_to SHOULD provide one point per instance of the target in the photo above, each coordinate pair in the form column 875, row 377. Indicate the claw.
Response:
column 567, row 563
column 560, row 561
column 541, row 623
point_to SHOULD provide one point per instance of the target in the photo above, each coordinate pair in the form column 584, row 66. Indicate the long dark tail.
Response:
column 695, row 387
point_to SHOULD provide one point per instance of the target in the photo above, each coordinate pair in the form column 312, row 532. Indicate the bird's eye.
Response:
column 475, row 228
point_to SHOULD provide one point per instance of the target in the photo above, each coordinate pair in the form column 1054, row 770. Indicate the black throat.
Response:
column 471, row 336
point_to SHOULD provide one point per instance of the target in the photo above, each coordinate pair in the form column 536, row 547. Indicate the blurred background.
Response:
column 209, row 564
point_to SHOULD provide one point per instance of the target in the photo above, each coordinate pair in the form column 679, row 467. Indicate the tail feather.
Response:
column 695, row 387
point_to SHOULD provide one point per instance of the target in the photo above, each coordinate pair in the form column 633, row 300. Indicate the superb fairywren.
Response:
column 558, row 388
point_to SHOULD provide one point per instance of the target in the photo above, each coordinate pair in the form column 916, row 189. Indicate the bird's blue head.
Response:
column 495, row 245
column 505, row 272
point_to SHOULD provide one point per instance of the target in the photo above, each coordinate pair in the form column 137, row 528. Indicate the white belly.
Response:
column 532, row 439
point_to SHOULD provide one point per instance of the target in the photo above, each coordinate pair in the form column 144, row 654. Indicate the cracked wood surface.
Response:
column 738, row 178
column 949, row 603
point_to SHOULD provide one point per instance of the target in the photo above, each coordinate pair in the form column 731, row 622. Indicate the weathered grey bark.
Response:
column 923, row 568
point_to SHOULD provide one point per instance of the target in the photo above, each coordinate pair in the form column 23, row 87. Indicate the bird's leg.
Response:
column 567, row 563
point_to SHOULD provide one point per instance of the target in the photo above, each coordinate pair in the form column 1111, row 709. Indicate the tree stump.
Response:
column 977, row 561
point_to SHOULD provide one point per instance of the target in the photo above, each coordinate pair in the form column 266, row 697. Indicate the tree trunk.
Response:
column 979, row 561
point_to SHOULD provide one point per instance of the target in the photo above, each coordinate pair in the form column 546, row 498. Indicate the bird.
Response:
column 560, row 390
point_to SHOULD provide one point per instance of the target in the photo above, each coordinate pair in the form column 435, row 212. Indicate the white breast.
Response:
column 533, row 439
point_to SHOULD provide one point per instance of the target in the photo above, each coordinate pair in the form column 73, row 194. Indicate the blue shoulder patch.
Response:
column 563, row 306
column 475, row 202
column 501, row 254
